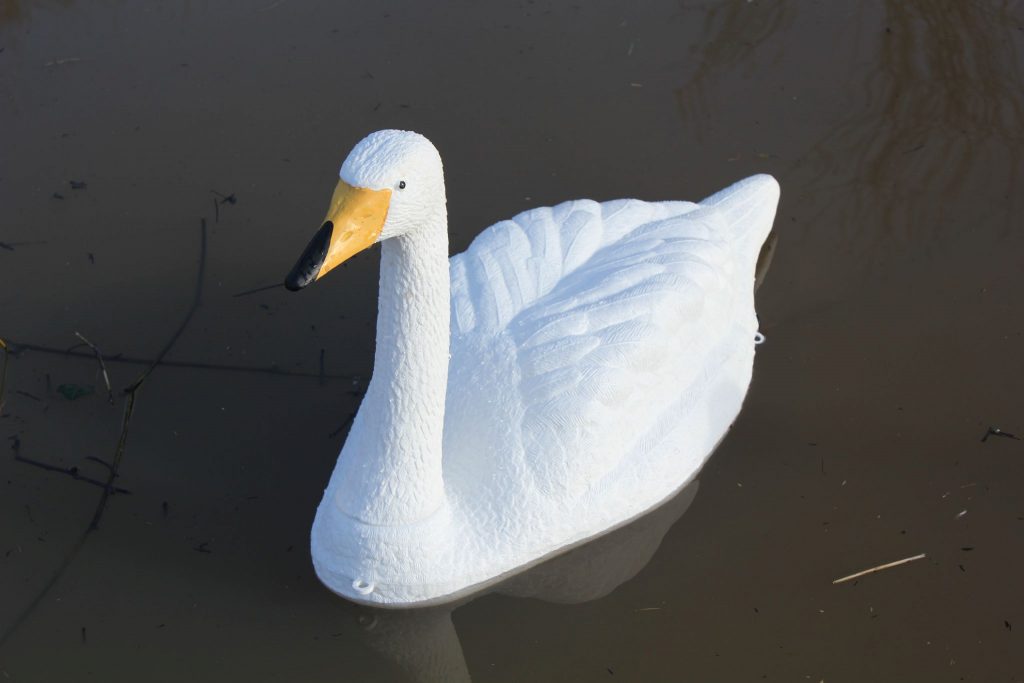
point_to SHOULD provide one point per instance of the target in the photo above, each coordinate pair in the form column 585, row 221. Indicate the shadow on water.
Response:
column 424, row 645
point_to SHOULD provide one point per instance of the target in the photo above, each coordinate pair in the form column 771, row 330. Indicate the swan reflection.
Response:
column 423, row 644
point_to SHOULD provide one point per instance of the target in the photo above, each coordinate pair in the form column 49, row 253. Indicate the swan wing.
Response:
column 601, row 315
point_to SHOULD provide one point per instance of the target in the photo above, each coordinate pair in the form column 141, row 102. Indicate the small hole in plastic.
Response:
column 758, row 339
column 362, row 586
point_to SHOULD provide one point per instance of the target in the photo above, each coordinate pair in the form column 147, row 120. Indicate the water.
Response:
column 891, row 312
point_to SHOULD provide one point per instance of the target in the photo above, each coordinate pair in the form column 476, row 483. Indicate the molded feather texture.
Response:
column 410, row 166
column 612, row 310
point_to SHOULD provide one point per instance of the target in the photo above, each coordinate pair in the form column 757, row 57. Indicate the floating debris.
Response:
column 996, row 431
column 226, row 198
column 887, row 565
column 77, row 184
column 9, row 246
column 62, row 61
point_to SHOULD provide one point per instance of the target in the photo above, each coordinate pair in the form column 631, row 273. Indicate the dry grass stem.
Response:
column 887, row 565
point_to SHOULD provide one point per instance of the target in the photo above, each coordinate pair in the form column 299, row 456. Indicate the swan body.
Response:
column 573, row 368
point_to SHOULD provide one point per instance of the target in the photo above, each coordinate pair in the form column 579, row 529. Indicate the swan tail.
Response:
column 748, row 211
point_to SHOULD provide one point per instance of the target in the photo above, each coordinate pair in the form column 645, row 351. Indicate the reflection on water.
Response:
column 12, row 11
column 424, row 645
column 943, row 96
column 940, row 94
column 736, row 29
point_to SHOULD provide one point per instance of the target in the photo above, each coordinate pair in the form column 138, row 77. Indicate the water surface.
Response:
column 892, row 317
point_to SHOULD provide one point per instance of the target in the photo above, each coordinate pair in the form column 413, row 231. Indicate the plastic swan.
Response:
column 569, row 371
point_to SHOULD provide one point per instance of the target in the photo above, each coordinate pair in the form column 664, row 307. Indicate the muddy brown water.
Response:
column 892, row 314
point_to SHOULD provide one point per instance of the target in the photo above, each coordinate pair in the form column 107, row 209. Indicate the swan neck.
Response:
column 392, row 459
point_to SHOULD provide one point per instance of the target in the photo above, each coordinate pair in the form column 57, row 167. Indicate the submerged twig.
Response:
column 133, row 389
column 115, row 464
column 3, row 374
column 103, row 366
column 17, row 348
column 100, row 461
column 887, row 565
column 346, row 423
column 70, row 471
column 264, row 288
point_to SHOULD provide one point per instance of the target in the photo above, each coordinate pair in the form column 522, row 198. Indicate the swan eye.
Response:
column 401, row 184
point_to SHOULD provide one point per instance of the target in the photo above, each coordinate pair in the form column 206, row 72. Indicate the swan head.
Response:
column 391, row 184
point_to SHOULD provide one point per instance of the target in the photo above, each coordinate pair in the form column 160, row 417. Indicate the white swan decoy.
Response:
column 569, row 371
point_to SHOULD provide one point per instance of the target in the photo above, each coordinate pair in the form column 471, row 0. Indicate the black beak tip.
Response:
column 308, row 266
column 292, row 284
